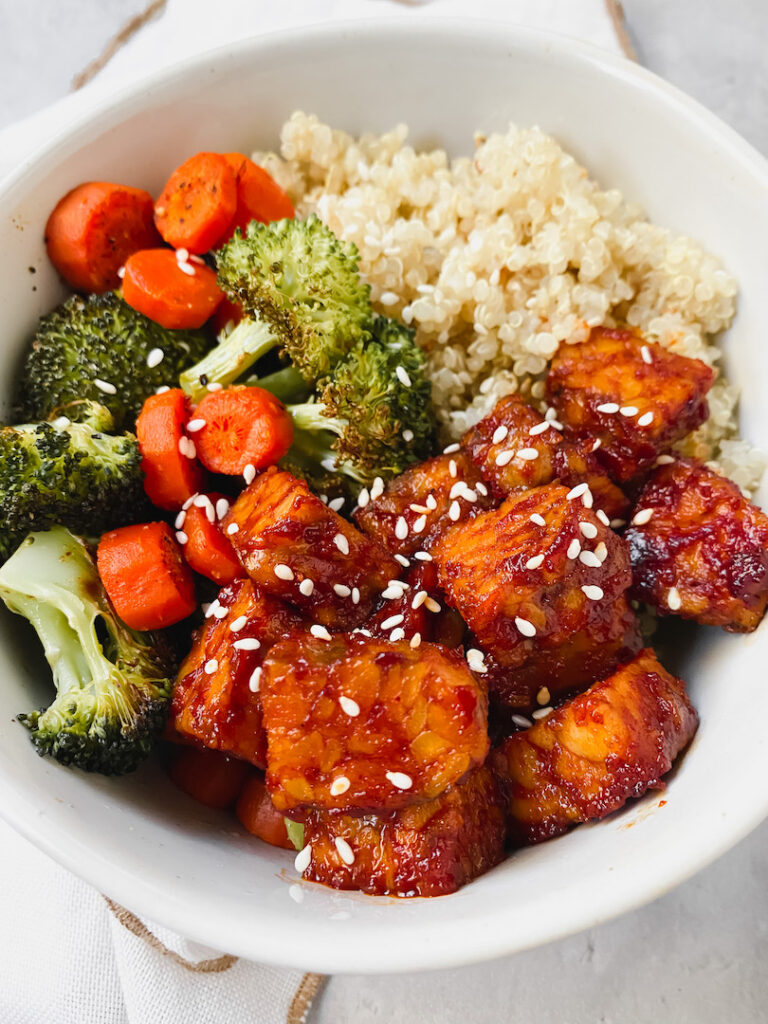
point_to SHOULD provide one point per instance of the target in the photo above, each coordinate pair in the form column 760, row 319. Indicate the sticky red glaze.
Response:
column 482, row 567
column 609, row 368
column 280, row 522
column 219, row 709
column 426, row 481
column 444, row 626
column 591, row 755
column 421, row 712
column 429, row 850
column 705, row 539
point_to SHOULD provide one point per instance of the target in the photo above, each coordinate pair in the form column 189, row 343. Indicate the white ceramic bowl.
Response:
column 140, row 840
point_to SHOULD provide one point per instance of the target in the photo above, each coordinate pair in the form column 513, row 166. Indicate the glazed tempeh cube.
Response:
column 699, row 549
column 633, row 396
column 428, row 850
column 299, row 550
column 216, row 697
column 540, row 581
column 418, row 506
column 358, row 722
column 591, row 755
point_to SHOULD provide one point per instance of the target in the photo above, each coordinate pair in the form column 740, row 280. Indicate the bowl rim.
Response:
column 445, row 949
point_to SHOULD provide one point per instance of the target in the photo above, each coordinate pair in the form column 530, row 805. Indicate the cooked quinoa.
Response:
column 499, row 258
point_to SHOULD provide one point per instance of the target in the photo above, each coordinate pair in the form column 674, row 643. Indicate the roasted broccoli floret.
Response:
column 372, row 416
column 68, row 470
column 300, row 289
column 112, row 684
column 100, row 348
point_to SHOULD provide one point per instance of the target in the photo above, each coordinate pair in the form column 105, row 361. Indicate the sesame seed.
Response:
column 339, row 785
column 601, row 552
column 211, row 666
column 555, row 424
column 451, row 449
column 476, row 661
column 481, row 489
column 543, row 696
column 407, row 436
column 341, row 589
column 296, row 893
column 674, row 601
column 629, row 410
column 194, row 425
column 220, row 612
column 397, row 634
column 388, row 298
column 539, row 520
column 423, row 556
column 212, row 608
column 283, row 571
column 320, row 632
column 222, row 507
column 303, row 858
column 665, row 460
column 155, row 356
column 645, row 420
column 603, row 517
column 336, row 504
column 521, row 722
column 499, row 434
column 503, row 458
column 249, row 474
column 540, row 713
column 609, row 407
column 248, row 643
column 431, row 502
column 121, row 275
column 458, row 488
column 348, row 706
column 535, row 562
column 363, row 498
column 344, row 850
column 592, row 592
column 419, row 598
column 596, row 444
column 645, row 352
column 402, row 376
column 61, row 423
column 179, row 521
column 577, row 492
column 237, row 624
column 255, row 681
column 538, row 429
column 420, row 524
column 524, row 626
column 551, row 413
column 187, row 447
column 232, row 529
column 453, row 469
column 586, row 499
column 527, row 454
column 642, row 517
column 392, row 593
column 415, row 640
column 181, row 537
column 401, row 528
column 432, row 605
column 306, row 587
column 399, row 780
column 392, row 621
column 104, row 386
column 402, row 560
column 201, row 500
column 617, row 523
column 590, row 559
column 589, row 530
column 377, row 488
column 454, row 512
column 186, row 268
column 355, row 595
column 341, row 543
column 574, row 548
column 214, row 386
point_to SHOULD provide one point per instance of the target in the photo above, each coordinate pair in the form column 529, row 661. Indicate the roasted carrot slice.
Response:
column 207, row 549
column 172, row 473
column 259, row 197
column 93, row 230
column 243, row 426
column 258, row 814
column 197, row 205
column 145, row 576
column 208, row 776
column 174, row 293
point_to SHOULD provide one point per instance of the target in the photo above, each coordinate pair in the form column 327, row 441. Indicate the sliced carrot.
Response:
column 198, row 203
column 243, row 426
column 145, row 576
column 259, row 197
column 207, row 550
column 226, row 312
column 93, row 230
column 174, row 296
column 172, row 473
column 258, row 814
column 208, row 776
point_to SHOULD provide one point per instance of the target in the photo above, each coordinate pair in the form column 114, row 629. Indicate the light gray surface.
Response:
column 697, row 954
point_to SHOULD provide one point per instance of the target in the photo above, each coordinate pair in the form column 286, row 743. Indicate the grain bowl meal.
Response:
column 354, row 480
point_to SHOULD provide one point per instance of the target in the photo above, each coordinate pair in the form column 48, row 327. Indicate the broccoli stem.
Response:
column 287, row 384
column 235, row 353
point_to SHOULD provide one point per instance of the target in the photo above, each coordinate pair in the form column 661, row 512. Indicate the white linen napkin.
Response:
column 69, row 955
